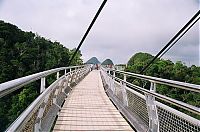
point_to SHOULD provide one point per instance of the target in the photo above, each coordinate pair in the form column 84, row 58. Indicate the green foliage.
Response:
column 19, row 102
column 139, row 58
column 167, row 69
column 77, row 59
column 24, row 53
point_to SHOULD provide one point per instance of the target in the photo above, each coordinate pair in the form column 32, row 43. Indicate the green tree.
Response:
column 24, row 53
column 167, row 69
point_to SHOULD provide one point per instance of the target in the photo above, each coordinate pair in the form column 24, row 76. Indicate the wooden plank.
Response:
column 89, row 109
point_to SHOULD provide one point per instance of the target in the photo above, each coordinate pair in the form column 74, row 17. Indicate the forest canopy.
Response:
column 164, row 68
column 21, row 54
column 168, row 70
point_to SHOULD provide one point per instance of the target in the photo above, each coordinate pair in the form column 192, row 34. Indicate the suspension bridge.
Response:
column 82, row 99
column 97, row 100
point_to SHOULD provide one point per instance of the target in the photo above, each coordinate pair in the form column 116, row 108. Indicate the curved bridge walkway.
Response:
column 88, row 108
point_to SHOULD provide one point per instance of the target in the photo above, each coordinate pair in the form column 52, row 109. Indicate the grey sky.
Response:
column 124, row 27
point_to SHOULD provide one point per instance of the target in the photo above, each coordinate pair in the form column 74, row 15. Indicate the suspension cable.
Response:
column 172, row 42
column 88, row 30
column 179, row 37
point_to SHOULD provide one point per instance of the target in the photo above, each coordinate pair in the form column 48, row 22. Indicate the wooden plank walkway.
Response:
column 88, row 108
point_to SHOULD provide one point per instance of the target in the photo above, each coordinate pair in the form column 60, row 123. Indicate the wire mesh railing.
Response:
column 41, row 113
column 153, row 112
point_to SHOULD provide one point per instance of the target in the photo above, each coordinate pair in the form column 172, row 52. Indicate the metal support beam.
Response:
column 110, row 81
column 125, row 98
column 113, row 83
column 40, row 113
column 42, row 85
column 57, row 91
column 57, row 76
column 152, row 110
column 65, row 72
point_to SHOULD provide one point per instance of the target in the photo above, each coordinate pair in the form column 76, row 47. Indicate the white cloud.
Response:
column 123, row 28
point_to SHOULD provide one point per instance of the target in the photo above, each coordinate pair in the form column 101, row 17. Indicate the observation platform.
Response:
column 88, row 108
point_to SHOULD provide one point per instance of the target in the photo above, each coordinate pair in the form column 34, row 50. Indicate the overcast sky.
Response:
column 124, row 27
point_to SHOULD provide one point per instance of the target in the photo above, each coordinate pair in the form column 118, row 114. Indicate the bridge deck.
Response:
column 89, row 109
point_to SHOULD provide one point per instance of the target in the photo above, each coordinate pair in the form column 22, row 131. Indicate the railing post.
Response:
column 78, row 76
column 75, row 75
column 37, row 126
column 152, row 110
column 67, row 84
column 65, row 72
column 110, row 80
column 107, row 77
column 56, row 93
column 42, row 85
column 57, row 77
column 113, row 82
column 124, row 80
column 125, row 99
column 80, row 71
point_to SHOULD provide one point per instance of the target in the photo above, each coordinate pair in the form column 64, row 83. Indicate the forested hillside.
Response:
column 167, row 69
column 164, row 68
column 24, row 53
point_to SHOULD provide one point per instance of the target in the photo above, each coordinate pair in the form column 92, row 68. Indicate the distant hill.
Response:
column 107, row 62
column 140, row 58
column 93, row 60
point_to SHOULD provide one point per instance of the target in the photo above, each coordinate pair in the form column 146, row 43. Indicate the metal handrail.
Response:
column 182, row 85
column 10, row 86
column 185, row 116
column 32, row 107
column 155, row 113
column 164, row 98
column 191, row 87
column 25, row 116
